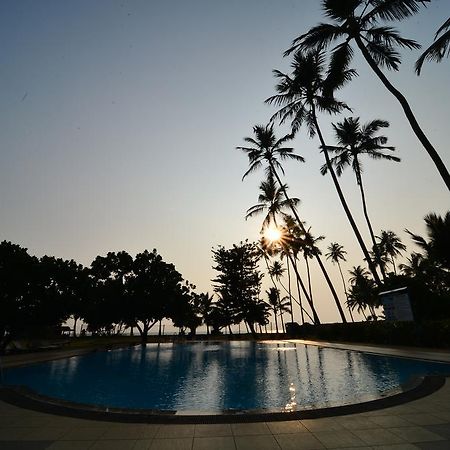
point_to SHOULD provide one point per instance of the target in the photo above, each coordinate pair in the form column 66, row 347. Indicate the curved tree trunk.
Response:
column 316, row 319
column 290, row 294
column 408, row 113
column 344, row 204
column 322, row 267
column 299, row 295
column 345, row 290
column 309, row 279
column 369, row 224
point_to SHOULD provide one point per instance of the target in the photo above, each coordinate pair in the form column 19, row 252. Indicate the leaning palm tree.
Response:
column 436, row 51
column 267, row 149
column 303, row 93
column 360, row 21
column 336, row 254
column 390, row 246
column 354, row 141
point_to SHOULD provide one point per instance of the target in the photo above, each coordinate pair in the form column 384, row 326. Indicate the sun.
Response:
column 272, row 234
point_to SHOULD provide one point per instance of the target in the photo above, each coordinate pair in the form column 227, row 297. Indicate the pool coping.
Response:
column 28, row 399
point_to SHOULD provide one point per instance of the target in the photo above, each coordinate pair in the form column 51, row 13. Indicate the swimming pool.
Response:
column 209, row 377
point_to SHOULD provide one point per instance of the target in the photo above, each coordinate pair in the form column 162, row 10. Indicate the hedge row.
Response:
column 424, row 334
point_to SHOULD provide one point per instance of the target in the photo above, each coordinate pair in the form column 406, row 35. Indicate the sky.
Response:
column 120, row 121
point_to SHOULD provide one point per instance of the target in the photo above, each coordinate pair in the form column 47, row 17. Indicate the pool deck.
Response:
column 419, row 424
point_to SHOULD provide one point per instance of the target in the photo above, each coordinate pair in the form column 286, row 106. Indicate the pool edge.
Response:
column 27, row 399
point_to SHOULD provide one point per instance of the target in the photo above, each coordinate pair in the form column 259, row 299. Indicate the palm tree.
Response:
column 273, row 295
column 390, row 246
column 271, row 200
column 437, row 247
column 436, row 51
column 359, row 21
column 336, row 254
column 300, row 96
column 363, row 291
column 310, row 250
column 355, row 140
column 266, row 148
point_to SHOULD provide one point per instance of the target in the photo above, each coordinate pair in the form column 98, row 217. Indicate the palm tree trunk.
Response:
column 322, row 267
column 393, row 265
column 309, row 279
column 344, row 203
column 290, row 294
column 369, row 224
column 299, row 296
column 408, row 113
column 316, row 319
column 275, row 316
column 345, row 290
column 283, row 328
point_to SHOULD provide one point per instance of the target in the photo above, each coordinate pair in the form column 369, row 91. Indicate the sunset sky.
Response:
column 120, row 121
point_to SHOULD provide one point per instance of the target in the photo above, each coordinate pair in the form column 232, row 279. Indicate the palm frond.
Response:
column 383, row 55
column 389, row 36
column 338, row 73
column 390, row 10
column 436, row 51
column 340, row 10
column 316, row 38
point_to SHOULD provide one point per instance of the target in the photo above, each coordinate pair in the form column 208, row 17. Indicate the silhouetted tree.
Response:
column 361, row 21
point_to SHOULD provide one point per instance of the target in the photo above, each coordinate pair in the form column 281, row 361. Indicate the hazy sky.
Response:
column 120, row 121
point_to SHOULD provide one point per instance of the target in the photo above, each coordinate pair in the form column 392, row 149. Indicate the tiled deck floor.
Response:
column 421, row 424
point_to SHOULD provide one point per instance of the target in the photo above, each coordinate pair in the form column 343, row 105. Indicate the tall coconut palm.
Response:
column 336, row 254
column 273, row 296
column 300, row 96
column 355, row 140
column 436, row 51
column 271, row 200
column 390, row 246
column 360, row 21
column 310, row 250
column 266, row 148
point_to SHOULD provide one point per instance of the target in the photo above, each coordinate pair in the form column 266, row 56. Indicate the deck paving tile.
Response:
column 142, row 444
column 71, row 445
column 14, row 433
column 339, row 438
column 131, row 431
column 416, row 434
column 378, row 436
column 172, row 444
column 326, row 424
column 290, row 426
column 423, row 419
column 116, row 444
column 249, row 429
column 46, row 433
column 299, row 441
column 84, row 434
column 214, row 443
column 437, row 445
column 213, row 430
column 256, row 443
column 405, row 446
column 356, row 423
column 441, row 429
column 175, row 431
column 390, row 421
column 24, row 445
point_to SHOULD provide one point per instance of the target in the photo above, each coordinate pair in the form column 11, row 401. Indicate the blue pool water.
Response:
column 215, row 376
